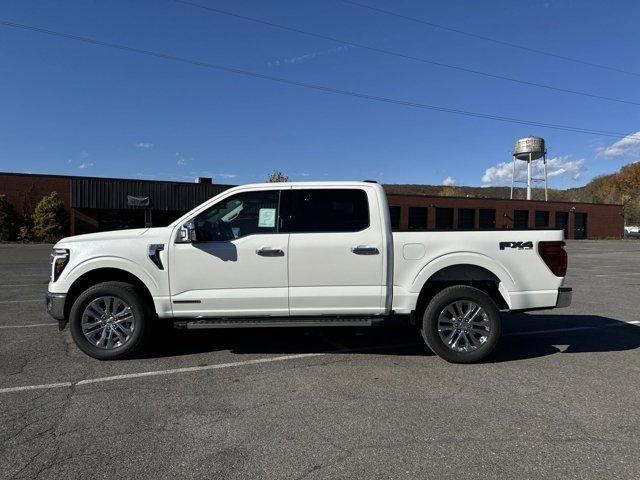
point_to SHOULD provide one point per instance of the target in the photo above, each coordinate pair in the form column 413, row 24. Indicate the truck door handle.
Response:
column 365, row 250
column 270, row 252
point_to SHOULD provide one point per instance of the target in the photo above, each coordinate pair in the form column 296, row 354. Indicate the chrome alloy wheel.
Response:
column 108, row 322
column 463, row 326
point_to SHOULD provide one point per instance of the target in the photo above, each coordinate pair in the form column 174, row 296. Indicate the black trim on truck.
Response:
column 54, row 303
column 564, row 297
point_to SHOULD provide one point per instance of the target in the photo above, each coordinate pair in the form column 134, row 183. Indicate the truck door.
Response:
column 238, row 264
column 336, row 251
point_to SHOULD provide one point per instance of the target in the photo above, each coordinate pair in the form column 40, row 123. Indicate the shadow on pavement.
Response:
column 524, row 336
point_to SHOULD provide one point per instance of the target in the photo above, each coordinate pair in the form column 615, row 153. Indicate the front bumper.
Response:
column 564, row 297
column 55, row 305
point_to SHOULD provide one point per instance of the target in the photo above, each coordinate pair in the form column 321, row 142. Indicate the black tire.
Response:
column 437, row 305
column 141, row 314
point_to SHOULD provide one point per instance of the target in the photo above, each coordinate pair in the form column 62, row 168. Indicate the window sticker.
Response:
column 267, row 218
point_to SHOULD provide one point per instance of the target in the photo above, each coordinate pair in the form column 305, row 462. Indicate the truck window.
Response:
column 239, row 215
column 326, row 210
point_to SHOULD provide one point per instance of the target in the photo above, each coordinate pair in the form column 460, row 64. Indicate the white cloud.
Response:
column 225, row 175
column 449, row 181
column 144, row 145
column 629, row 146
column 181, row 161
column 84, row 165
column 500, row 174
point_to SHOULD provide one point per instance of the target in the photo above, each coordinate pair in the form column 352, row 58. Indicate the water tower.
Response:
column 530, row 149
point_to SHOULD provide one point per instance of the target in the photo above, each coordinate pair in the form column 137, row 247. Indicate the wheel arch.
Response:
column 105, row 274
column 470, row 274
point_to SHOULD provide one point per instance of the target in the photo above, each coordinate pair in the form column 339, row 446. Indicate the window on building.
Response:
column 394, row 213
column 487, row 218
column 562, row 222
column 580, row 226
column 466, row 218
column 238, row 216
column 444, row 218
column 542, row 219
column 521, row 219
column 326, row 210
column 418, row 218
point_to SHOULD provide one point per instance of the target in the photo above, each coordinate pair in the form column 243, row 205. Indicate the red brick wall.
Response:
column 24, row 191
column 603, row 221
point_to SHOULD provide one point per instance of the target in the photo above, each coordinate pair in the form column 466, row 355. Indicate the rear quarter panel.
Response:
column 525, row 280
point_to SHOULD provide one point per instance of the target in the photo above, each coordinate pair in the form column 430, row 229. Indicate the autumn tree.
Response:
column 277, row 177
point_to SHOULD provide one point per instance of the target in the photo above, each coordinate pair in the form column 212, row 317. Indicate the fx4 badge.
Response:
column 518, row 245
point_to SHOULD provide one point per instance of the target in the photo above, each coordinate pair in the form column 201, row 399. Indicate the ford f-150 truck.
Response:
column 301, row 254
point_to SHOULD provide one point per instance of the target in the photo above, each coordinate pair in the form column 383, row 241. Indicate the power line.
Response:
column 311, row 86
column 489, row 39
column 403, row 55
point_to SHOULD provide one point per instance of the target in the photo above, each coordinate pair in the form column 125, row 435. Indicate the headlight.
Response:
column 59, row 260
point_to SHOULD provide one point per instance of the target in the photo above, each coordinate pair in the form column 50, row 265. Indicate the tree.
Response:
column 49, row 218
column 447, row 191
column 277, row 177
column 8, row 220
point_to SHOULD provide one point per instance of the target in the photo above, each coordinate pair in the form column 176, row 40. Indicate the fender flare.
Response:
column 113, row 262
column 507, row 283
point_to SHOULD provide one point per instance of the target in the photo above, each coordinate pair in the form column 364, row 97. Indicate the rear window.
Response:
column 326, row 210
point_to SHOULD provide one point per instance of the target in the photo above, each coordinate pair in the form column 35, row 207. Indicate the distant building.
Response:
column 98, row 204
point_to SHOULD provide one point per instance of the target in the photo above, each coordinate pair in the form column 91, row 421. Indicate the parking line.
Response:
column 36, row 387
column 153, row 373
column 256, row 361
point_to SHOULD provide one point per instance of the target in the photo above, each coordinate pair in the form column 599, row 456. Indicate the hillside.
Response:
column 622, row 187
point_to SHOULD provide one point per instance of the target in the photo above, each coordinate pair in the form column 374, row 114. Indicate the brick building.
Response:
column 95, row 204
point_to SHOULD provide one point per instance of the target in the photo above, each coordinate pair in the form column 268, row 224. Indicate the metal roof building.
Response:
column 97, row 204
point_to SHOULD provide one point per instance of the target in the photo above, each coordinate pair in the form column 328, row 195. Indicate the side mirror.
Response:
column 187, row 233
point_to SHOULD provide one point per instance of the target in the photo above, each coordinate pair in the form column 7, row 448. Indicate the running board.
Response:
column 275, row 322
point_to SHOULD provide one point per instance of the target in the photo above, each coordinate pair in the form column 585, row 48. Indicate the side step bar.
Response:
column 276, row 322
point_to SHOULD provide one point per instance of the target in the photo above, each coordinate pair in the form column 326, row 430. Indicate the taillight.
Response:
column 555, row 256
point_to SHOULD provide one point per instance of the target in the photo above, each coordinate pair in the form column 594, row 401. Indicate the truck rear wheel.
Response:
column 108, row 320
column 461, row 324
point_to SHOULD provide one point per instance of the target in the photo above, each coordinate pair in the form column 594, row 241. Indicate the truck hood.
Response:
column 102, row 236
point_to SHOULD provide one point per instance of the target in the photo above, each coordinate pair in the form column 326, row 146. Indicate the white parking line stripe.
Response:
column 161, row 372
column 35, row 387
column 173, row 371
column 218, row 366
column 7, row 285
column 30, row 326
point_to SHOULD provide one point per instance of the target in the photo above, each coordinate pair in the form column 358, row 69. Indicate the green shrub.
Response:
column 49, row 218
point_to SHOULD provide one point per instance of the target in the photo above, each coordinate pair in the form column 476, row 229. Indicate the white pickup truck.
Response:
column 301, row 254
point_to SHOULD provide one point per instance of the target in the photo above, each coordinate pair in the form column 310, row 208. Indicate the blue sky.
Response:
column 72, row 108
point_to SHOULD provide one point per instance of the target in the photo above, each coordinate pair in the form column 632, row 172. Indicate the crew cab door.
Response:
column 238, row 264
column 336, row 251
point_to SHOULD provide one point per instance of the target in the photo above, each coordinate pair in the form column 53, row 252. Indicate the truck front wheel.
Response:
column 108, row 320
column 461, row 324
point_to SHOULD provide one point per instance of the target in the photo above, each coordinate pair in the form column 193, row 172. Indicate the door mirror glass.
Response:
column 187, row 233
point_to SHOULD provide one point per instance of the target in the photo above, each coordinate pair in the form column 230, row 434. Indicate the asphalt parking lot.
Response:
column 560, row 399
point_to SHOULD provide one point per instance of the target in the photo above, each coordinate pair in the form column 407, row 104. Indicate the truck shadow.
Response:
column 524, row 336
